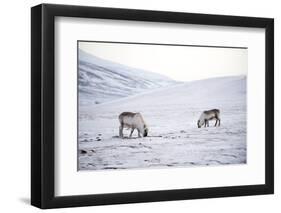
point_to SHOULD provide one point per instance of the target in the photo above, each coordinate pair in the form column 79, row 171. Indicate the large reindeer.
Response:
column 133, row 121
column 209, row 115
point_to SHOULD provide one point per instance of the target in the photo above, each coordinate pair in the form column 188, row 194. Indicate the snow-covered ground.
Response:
column 174, row 140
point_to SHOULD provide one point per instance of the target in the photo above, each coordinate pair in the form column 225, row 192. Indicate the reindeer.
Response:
column 132, row 121
column 209, row 115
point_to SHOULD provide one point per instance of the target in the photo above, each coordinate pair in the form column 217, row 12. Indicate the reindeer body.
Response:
column 132, row 121
column 208, row 115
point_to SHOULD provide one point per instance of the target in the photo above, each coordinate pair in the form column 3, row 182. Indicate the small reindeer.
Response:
column 133, row 121
column 209, row 115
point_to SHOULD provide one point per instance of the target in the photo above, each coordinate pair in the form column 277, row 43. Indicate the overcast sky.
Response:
column 183, row 63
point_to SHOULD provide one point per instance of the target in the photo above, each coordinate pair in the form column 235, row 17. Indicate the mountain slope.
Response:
column 174, row 140
column 101, row 80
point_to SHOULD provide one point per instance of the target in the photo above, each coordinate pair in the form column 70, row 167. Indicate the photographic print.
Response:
column 144, row 105
column 133, row 106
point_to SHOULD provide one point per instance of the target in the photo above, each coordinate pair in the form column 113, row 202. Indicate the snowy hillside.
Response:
column 173, row 138
column 101, row 80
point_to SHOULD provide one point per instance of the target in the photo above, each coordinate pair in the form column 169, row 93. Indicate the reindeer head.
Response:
column 199, row 123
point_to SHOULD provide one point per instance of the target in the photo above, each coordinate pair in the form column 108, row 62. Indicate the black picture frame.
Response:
column 43, row 105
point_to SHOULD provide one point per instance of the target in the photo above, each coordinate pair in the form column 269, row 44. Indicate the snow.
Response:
column 171, row 113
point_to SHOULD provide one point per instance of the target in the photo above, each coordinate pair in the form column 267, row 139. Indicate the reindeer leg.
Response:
column 219, row 122
column 205, row 123
column 216, row 122
column 139, row 135
column 132, row 132
column 121, row 131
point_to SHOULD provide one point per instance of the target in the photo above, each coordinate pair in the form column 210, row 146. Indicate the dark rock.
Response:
column 83, row 151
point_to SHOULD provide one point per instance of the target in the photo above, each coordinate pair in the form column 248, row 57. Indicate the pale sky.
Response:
column 182, row 63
